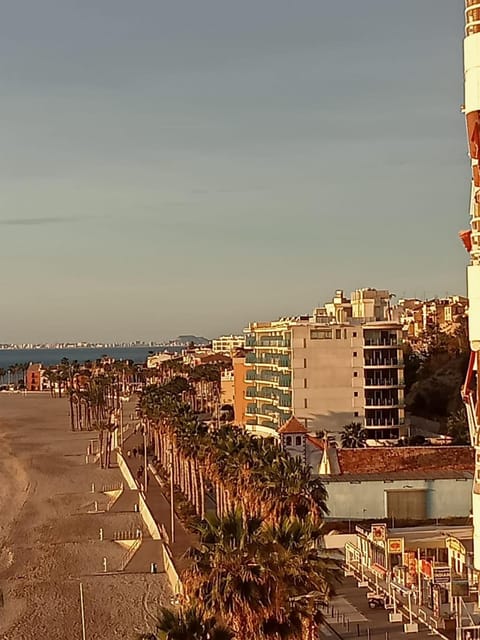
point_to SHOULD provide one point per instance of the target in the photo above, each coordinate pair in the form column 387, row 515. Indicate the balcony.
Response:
column 285, row 401
column 250, row 358
column 383, row 362
column 266, row 362
column 273, row 343
column 251, row 409
column 382, row 342
column 383, row 422
column 251, row 392
column 265, row 393
column 250, row 341
column 384, row 402
column 284, row 382
column 382, row 382
column 284, row 362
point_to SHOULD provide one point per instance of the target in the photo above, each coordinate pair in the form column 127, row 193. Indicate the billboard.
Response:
column 441, row 575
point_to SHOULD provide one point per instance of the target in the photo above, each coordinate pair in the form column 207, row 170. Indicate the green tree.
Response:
column 353, row 436
column 457, row 427
column 261, row 579
column 188, row 624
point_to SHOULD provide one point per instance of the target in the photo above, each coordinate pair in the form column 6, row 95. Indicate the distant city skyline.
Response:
column 179, row 167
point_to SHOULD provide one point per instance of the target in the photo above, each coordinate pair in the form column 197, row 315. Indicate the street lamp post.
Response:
column 82, row 610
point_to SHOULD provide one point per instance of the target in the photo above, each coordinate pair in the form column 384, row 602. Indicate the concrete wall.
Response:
column 148, row 518
column 171, row 571
column 367, row 500
column 125, row 471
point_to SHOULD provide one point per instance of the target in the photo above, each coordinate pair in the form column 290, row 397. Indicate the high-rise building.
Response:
column 341, row 365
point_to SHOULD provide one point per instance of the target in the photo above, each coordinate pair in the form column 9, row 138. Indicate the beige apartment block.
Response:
column 228, row 344
column 329, row 373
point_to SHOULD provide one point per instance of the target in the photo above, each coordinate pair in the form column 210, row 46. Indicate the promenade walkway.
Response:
column 421, row 614
column 159, row 505
column 349, row 618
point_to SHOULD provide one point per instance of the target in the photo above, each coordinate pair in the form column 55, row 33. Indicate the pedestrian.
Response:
column 135, row 452
column 129, row 454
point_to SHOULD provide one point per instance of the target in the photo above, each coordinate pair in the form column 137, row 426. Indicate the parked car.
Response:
column 379, row 600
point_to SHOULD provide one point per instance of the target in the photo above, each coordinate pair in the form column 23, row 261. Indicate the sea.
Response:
column 47, row 357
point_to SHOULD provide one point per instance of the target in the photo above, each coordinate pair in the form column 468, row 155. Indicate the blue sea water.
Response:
column 9, row 357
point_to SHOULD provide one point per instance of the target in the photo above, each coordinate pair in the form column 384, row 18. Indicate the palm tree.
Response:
column 353, row 436
column 188, row 624
column 263, row 580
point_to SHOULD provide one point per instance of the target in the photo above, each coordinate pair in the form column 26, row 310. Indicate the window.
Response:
column 298, row 440
column 355, row 394
column 355, row 414
column 289, row 441
column 304, row 363
column 305, row 383
column 304, row 343
column 354, row 354
column 344, row 334
column 355, row 374
column 338, row 334
column 320, row 334
column 354, row 334
column 305, row 403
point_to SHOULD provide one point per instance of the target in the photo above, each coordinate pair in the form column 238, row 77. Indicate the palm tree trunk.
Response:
column 202, row 493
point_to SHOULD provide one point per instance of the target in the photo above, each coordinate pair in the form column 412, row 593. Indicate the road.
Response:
column 354, row 619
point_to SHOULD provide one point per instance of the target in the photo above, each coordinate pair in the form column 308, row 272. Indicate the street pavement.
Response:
column 350, row 617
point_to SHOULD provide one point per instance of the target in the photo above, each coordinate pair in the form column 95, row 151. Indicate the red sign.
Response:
column 426, row 568
column 379, row 532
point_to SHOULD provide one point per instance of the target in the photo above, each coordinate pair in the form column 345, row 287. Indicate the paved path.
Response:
column 352, row 618
column 159, row 505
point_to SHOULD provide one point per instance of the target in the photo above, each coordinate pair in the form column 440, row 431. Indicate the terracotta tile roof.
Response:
column 292, row 426
column 380, row 460
column 319, row 443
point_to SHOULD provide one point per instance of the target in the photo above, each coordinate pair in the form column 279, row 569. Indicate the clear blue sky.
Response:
column 190, row 165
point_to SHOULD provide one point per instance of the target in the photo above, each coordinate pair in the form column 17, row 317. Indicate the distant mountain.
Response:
column 195, row 339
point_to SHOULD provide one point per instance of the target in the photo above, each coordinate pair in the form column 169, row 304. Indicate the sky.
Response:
column 188, row 166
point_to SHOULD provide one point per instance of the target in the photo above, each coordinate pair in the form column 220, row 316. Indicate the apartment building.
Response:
column 329, row 369
column 228, row 344
column 420, row 316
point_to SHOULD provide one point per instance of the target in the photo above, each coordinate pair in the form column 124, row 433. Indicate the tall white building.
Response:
column 330, row 369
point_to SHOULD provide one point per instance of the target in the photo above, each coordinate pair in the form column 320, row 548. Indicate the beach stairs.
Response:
column 113, row 493
column 142, row 555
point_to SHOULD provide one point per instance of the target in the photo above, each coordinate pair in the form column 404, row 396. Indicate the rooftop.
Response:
column 414, row 461
column 293, row 426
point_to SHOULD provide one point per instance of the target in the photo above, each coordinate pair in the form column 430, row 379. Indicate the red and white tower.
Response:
column 471, row 240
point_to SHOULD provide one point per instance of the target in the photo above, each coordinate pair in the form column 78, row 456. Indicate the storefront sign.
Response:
column 411, row 562
column 425, row 567
column 395, row 545
column 441, row 575
column 379, row 532
column 457, row 547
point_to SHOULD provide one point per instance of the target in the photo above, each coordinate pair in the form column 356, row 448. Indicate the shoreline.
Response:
column 50, row 537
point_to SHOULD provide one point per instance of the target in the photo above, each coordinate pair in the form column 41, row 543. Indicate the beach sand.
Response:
column 49, row 542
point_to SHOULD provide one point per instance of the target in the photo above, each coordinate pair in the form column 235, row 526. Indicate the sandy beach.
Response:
column 49, row 540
